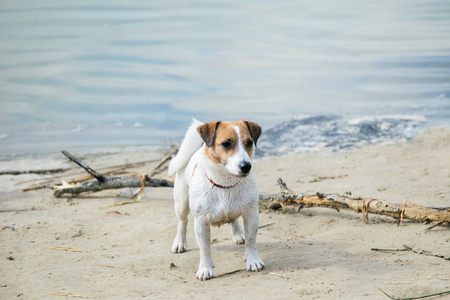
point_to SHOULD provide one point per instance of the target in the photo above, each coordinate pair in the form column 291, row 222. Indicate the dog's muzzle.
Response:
column 245, row 167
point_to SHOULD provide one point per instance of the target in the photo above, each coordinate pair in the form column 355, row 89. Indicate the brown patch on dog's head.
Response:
column 208, row 132
column 254, row 129
column 221, row 138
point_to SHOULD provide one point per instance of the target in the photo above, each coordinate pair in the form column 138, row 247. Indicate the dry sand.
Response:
column 321, row 254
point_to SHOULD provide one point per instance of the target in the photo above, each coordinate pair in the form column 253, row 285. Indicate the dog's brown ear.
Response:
column 255, row 130
column 208, row 132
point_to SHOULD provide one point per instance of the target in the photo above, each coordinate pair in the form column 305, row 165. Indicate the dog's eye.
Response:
column 227, row 144
column 249, row 143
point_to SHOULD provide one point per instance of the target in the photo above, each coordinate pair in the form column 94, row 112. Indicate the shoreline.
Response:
column 320, row 252
column 299, row 133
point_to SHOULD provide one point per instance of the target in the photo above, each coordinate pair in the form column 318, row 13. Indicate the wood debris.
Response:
column 357, row 204
column 68, row 249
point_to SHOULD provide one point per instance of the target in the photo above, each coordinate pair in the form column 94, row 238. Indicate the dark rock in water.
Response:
column 335, row 133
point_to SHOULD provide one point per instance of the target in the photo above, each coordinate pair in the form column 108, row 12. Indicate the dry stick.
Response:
column 116, row 169
column 84, row 178
column 108, row 266
column 104, row 183
column 94, row 173
column 119, row 169
column 7, row 227
column 279, row 275
column 425, row 252
column 17, row 210
column 348, row 202
column 112, row 183
column 266, row 225
column 64, row 294
column 39, row 172
column 402, row 214
column 435, row 225
column 389, row 249
column 365, row 212
column 231, row 272
column 409, row 248
column 166, row 158
column 68, row 249
column 176, row 275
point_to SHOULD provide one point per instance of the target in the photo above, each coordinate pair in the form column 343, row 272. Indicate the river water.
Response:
column 93, row 76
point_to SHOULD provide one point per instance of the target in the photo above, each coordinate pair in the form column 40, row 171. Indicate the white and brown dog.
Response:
column 216, row 184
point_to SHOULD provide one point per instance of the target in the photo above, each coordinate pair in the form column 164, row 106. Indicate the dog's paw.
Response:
column 239, row 238
column 178, row 246
column 254, row 263
column 205, row 273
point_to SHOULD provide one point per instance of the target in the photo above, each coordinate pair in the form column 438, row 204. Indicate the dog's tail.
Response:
column 191, row 143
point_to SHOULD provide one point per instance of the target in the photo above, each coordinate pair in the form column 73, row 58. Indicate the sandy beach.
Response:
column 124, row 252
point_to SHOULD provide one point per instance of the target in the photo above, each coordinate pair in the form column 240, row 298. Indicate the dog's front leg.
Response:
column 251, row 225
column 203, row 233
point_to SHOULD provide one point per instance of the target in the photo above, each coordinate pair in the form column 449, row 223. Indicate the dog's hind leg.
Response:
column 237, row 233
column 181, row 198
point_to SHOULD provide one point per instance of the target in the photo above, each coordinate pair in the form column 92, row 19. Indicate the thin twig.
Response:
column 435, row 225
column 88, row 169
column 64, row 294
column 110, row 170
column 17, row 210
column 426, row 252
column 389, row 250
column 365, row 212
column 107, row 266
column 402, row 214
column 166, row 158
column 176, row 275
column 39, row 172
column 231, row 272
column 409, row 248
column 266, row 225
column 114, row 212
column 279, row 275
column 68, row 249
column 7, row 227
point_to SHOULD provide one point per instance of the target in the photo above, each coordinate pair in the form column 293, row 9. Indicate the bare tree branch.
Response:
column 348, row 202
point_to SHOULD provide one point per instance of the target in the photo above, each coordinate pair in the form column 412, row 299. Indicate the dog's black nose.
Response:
column 245, row 167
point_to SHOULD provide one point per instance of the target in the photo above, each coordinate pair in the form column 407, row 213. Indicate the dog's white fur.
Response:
column 212, row 205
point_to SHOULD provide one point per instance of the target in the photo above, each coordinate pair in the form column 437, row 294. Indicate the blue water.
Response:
column 112, row 75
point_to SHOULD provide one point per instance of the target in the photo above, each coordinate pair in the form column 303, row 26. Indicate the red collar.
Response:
column 219, row 185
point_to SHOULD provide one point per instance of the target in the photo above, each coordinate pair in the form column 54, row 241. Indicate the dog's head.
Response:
column 231, row 144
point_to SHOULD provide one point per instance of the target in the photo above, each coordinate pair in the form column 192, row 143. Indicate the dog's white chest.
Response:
column 220, row 210
column 218, row 206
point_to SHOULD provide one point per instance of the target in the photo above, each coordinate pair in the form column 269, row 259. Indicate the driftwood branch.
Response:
column 359, row 205
column 111, row 183
column 108, row 183
column 107, row 171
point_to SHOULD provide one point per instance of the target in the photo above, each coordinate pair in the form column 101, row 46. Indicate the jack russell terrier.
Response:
column 214, row 181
